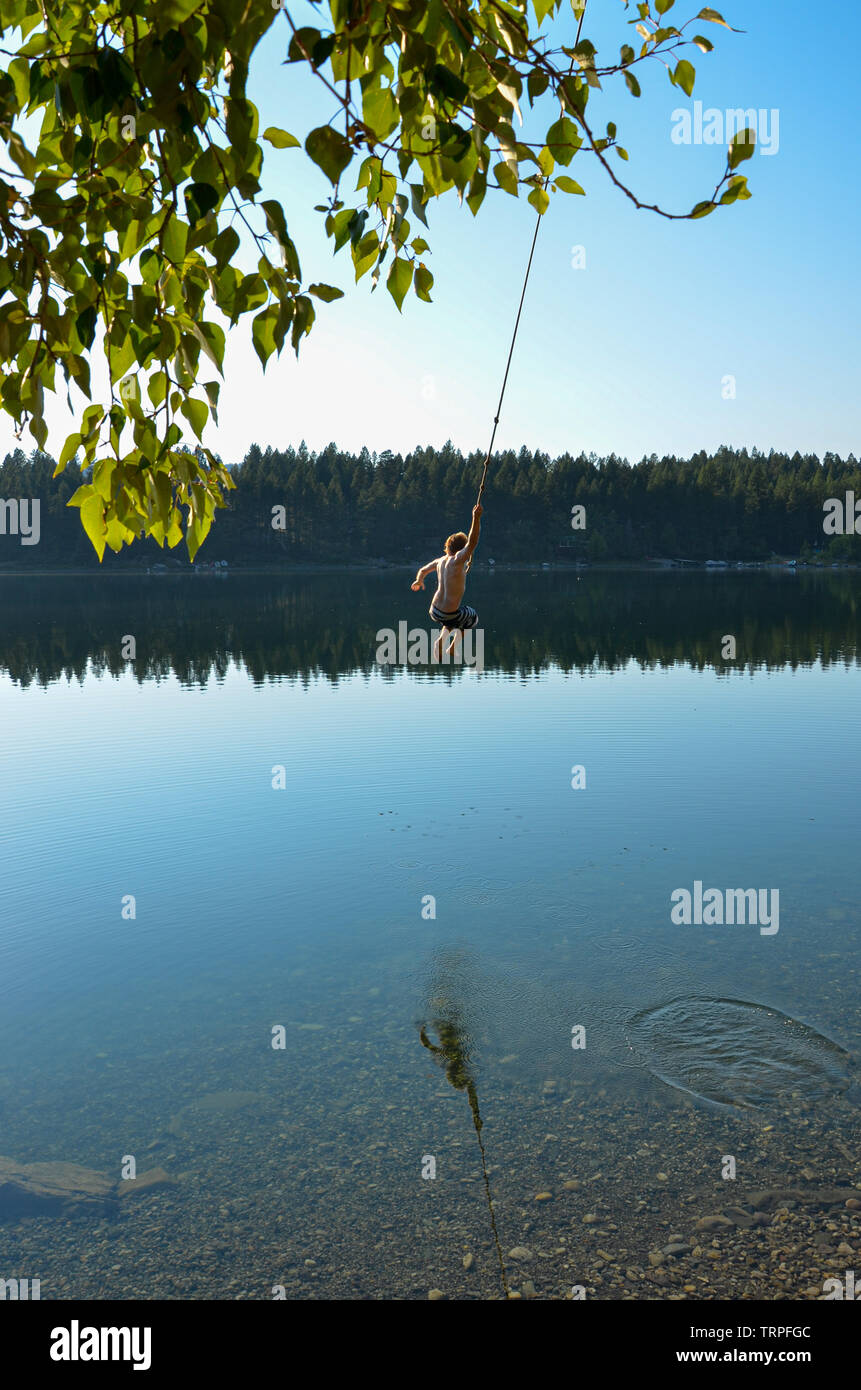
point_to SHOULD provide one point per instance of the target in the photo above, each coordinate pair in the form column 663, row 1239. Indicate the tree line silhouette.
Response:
column 334, row 507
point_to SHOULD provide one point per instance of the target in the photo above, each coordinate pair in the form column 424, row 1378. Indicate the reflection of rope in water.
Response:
column 453, row 1049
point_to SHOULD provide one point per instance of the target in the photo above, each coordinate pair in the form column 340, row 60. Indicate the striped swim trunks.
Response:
column 464, row 617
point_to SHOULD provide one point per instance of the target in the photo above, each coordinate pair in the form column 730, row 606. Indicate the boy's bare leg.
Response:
column 456, row 637
column 437, row 646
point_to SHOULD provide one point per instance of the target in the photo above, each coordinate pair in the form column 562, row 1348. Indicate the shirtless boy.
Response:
column 448, row 608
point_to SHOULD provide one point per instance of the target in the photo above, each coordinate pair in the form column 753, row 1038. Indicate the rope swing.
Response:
column 508, row 363
column 581, row 17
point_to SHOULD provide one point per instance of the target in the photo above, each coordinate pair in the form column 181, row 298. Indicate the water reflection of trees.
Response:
column 305, row 626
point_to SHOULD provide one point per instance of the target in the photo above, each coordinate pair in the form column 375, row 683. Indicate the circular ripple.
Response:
column 731, row 1052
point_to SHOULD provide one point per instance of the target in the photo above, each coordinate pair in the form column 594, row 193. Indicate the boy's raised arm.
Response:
column 474, row 530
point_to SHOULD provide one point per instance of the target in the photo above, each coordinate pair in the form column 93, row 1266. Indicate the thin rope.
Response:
column 508, row 363
column 522, row 297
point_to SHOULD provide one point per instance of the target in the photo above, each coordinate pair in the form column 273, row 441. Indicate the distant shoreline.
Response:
column 513, row 567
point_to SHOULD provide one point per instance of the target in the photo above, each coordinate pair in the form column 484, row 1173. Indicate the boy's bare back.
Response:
column 452, row 569
column 451, row 573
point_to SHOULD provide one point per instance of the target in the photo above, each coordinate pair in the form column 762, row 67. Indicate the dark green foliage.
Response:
column 354, row 508
column 119, row 227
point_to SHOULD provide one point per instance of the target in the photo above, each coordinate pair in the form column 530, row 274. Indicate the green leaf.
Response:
column 399, row 280
column 713, row 17
column 102, row 476
column 196, row 532
column 380, row 111
column 211, row 339
column 173, row 12
column 281, row 139
column 135, row 235
column 445, row 83
column 117, row 535
column 92, row 419
column 174, row 240
column 224, row 246
column 130, row 396
column 157, row 388
column 543, row 8
column 367, row 170
column 331, row 151
column 536, row 83
column 263, row 327
column 39, row 430
column 736, row 190
column 277, row 225
column 303, row 320
column 461, row 31
column 200, row 198
column 702, row 209
column 92, row 512
column 416, row 203
column 540, row 199
column 326, row 292
column 212, row 389
column 741, row 147
column 23, row 158
column 122, row 351
column 160, row 495
column 19, row 71
column 364, row 254
column 506, row 177
column 563, row 140
column 85, row 326
column 685, row 76
column 568, row 185
column 70, row 448
column 423, row 283
column 302, row 44
column 196, row 413
column 150, row 265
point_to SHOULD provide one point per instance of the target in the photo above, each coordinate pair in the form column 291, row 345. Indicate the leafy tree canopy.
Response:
column 137, row 151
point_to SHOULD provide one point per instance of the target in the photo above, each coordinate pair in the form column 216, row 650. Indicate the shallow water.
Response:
column 736, row 1053
column 427, row 857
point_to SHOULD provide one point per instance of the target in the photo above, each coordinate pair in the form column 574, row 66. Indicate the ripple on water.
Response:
column 731, row 1052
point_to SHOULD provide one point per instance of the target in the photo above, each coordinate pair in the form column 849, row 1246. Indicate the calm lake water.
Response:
column 427, row 874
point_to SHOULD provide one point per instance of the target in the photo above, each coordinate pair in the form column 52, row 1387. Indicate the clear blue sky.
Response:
column 628, row 354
